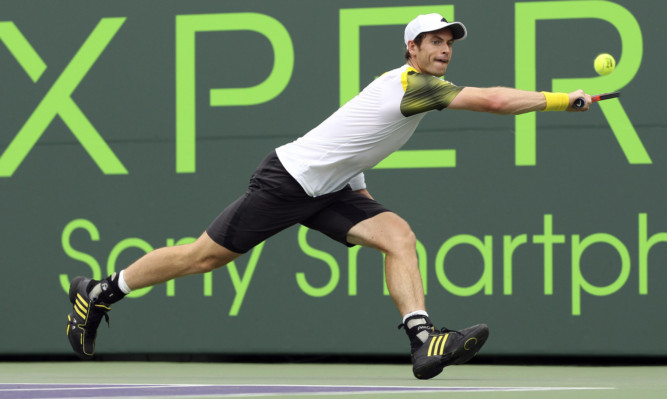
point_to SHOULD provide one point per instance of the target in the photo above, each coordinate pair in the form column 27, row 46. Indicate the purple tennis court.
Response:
column 53, row 391
column 153, row 380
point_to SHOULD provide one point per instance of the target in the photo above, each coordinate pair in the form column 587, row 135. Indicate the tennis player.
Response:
column 318, row 181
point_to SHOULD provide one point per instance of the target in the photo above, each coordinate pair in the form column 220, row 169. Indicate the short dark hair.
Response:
column 418, row 42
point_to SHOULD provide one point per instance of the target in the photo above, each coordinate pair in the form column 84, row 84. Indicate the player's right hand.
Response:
column 576, row 95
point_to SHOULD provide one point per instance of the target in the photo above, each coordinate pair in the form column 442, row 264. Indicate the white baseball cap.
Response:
column 430, row 23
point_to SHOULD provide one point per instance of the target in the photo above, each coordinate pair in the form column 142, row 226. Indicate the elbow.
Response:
column 495, row 102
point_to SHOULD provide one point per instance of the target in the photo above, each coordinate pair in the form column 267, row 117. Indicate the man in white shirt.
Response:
column 317, row 180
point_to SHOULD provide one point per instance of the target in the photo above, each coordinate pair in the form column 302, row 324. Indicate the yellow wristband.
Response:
column 556, row 101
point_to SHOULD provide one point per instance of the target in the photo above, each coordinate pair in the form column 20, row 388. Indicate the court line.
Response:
column 242, row 390
column 141, row 386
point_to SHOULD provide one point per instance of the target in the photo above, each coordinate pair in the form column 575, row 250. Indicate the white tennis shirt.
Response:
column 364, row 131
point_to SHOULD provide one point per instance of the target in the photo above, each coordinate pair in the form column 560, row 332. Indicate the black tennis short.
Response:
column 275, row 200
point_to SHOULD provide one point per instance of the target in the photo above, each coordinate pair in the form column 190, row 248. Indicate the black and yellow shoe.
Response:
column 82, row 323
column 443, row 348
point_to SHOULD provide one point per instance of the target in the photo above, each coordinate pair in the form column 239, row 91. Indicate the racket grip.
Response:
column 579, row 103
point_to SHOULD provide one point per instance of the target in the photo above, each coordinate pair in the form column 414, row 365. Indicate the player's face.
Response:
column 434, row 53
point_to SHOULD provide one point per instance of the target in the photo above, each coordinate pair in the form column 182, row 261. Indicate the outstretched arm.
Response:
column 505, row 100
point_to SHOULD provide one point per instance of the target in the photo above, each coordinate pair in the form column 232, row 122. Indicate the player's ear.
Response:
column 412, row 47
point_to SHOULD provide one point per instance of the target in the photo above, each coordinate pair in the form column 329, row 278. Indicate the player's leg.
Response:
column 164, row 264
column 432, row 350
column 91, row 299
column 273, row 202
column 392, row 235
column 355, row 219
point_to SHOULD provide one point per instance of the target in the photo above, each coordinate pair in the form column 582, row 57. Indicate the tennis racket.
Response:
column 580, row 102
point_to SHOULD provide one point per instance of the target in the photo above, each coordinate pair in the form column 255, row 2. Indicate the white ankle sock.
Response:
column 415, row 313
column 122, row 284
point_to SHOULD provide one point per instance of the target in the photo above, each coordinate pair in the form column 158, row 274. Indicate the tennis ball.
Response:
column 604, row 64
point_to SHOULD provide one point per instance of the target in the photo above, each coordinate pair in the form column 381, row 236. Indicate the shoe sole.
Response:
column 472, row 346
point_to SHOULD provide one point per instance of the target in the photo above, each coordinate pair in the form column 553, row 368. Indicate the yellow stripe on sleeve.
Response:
column 404, row 77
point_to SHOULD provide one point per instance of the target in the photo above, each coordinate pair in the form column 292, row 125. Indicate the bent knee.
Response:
column 401, row 238
column 386, row 232
column 407, row 239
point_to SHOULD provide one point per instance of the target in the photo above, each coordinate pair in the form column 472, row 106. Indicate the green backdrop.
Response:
column 129, row 125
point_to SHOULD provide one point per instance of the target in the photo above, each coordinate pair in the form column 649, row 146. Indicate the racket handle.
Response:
column 579, row 103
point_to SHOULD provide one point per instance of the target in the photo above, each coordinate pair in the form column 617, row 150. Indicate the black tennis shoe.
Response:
column 82, row 323
column 445, row 348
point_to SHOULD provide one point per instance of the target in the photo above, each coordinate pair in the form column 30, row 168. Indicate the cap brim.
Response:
column 459, row 31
